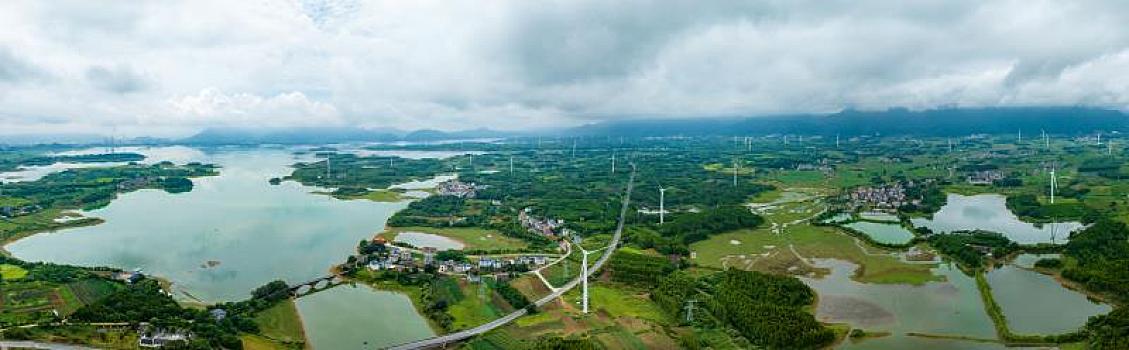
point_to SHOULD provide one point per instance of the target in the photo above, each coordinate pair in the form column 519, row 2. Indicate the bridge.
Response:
column 443, row 340
column 312, row 286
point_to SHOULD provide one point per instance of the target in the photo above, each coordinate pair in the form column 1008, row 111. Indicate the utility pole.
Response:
column 690, row 310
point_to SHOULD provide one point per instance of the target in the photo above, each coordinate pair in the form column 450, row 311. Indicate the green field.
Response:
column 11, row 272
column 377, row 196
column 762, row 250
column 478, row 305
column 472, row 238
column 281, row 322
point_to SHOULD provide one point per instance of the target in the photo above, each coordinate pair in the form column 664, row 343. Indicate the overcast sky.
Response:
column 172, row 67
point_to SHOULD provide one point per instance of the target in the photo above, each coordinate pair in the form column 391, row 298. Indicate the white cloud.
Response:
column 211, row 107
column 510, row 64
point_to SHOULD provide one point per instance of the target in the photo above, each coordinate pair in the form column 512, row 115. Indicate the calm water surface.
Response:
column 359, row 317
column 1035, row 303
column 230, row 234
column 952, row 307
column 883, row 233
column 989, row 212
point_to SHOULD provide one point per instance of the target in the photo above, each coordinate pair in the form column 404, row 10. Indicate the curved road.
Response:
column 465, row 334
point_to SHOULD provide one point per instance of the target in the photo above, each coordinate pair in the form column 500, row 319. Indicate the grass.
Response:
column 281, row 322
column 618, row 301
column 810, row 242
column 255, row 342
column 478, row 306
column 377, row 196
column 12, row 272
column 471, row 237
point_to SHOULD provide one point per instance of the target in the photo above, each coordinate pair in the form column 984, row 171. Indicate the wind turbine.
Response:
column 584, row 281
column 736, row 169
column 511, row 165
column 1054, row 183
column 662, row 208
column 613, row 162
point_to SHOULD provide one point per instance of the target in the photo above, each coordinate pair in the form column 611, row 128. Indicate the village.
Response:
column 382, row 255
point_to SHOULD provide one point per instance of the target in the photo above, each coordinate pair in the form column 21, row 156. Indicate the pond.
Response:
column 989, row 212
column 420, row 240
column 883, row 233
column 952, row 307
column 359, row 317
column 230, row 234
column 878, row 216
column 1035, row 303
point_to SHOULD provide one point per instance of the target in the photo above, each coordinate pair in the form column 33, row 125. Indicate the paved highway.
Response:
column 465, row 334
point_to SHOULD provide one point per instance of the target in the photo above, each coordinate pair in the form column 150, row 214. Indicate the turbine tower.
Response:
column 1054, row 183
column 584, row 281
column 736, row 169
column 662, row 208
column 613, row 162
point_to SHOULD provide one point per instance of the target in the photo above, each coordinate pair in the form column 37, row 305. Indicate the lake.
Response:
column 989, row 212
column 952, row 307
column 1035, row 303
column 359, row 317
column 883, row 232
column 230, row 234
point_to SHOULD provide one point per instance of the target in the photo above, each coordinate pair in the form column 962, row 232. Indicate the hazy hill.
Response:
column 938, row 122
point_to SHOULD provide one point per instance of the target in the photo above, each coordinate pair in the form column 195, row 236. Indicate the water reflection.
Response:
column 232, row 233
column 989, row 212
column 359, row 317
column 952, row 307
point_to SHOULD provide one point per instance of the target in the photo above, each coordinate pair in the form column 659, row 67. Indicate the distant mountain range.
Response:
column 937, row 122
column 324, row 135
